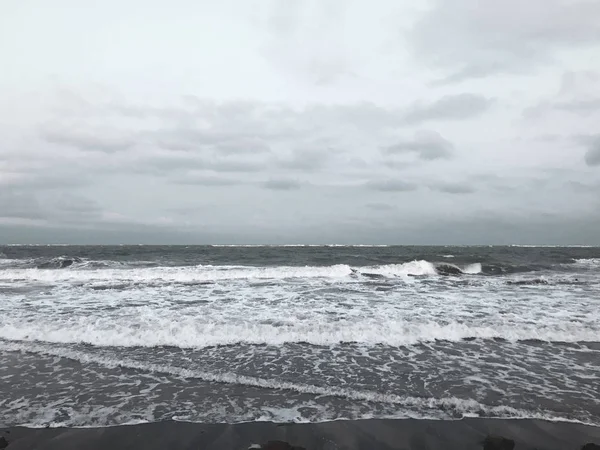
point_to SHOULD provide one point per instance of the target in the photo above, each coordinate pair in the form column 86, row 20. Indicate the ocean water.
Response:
column 94, row 336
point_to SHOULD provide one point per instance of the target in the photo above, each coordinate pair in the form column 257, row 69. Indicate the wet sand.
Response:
column 406, row 434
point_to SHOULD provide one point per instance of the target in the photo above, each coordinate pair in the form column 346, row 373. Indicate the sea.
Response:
column 110, row 335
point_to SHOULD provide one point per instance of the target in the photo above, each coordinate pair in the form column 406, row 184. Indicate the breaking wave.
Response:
column 78, row 270
column 188, row 332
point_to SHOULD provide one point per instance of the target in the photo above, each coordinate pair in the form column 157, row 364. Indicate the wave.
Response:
column 156, row 330
column 588, row 262
column 97, row 272
column 70, row 262
column 405, row 405
column 299, row 245
column 446, row 266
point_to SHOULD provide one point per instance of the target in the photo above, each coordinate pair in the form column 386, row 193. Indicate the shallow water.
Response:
column 110, row 335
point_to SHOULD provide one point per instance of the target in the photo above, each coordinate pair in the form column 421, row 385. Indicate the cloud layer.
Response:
column 470, row 121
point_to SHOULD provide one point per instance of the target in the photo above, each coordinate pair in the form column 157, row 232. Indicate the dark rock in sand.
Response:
column 373, row 276
column 492, row 442
column 64, row 263
column 279, row 445
column 591, row 446
column 3, row 442
column 527, row 282
column 448, row 269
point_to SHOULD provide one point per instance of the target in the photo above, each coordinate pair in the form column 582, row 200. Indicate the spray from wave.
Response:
column 78, row 270
column 188, row 332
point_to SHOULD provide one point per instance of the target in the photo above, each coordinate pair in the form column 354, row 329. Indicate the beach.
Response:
column 352, row 346
column 405, row 434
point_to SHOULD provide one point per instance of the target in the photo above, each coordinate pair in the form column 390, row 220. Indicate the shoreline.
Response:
column 366, row 434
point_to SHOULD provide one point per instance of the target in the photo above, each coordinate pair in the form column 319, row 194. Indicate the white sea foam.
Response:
column 186, row 332
column 466, row 407
column 213, row 273
column 588, row 262
column 178, row 274
column 399, row 270
column 473, row 268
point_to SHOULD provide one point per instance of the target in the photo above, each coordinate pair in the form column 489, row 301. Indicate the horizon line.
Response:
column 296, row 245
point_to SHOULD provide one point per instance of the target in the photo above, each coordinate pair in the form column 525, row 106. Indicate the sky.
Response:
column 300, row 121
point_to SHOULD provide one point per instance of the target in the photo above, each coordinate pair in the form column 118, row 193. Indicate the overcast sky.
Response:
column 318, row 121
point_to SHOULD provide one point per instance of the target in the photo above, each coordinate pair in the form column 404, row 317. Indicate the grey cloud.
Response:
column 282, row 184
column 176, row 161
column 17, row 204
column 98, row 140
column 234, row 166
column 307, row 159
column 449, row 107
column 592, row 156
column 254, row 127
column 231, row 141
column 427, row 145
column 40, row 179
column 244, row 145
column 474, row 40
column 584, row 188
column 202, row 179
column 390, row 185
column 305, row 41
column 579, row 93
column 583, row 107
column 76, row 205
column 453, row 188
column 26, row 204
column 380, row 206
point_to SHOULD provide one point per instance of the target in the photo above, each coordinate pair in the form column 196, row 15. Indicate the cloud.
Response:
column 453, row 188
column 38, row 178
column 106, row 141
column 579, row 94
column 391, row 185
column 307, row 159
column 17, row 204
column 474, row 39
column 227, row 141
column 282, row 184
column 203, row 179
column 172, row 163
column 449, row 107
column 77, row 205
column 47, row 206
column 427, row 145
column 378, row 206
column 592, row 155
column 244, row 145
column 306, row 41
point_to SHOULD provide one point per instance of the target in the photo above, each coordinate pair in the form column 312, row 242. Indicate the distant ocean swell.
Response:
column 414, row 268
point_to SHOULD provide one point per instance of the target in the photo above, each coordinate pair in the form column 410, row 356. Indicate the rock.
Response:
column 492, row 442
column 66, row 263
column 591, row 446
column 3, row 442
column 528, row 282
column 276, row 445
column 373, row 276
column 448, row 269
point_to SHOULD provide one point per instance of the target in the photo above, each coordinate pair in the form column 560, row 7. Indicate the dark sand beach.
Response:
column 407, row 434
